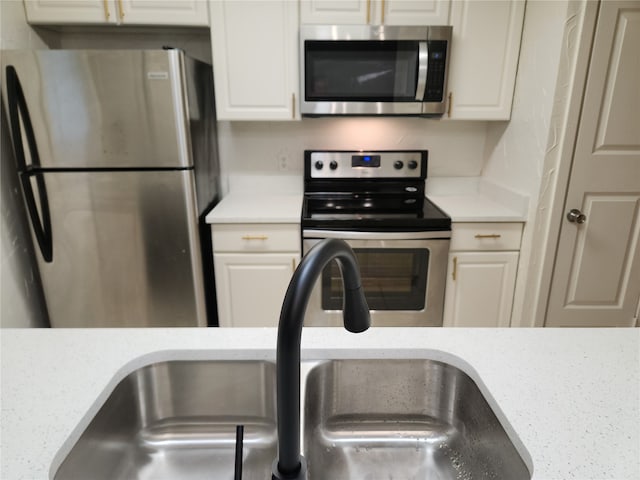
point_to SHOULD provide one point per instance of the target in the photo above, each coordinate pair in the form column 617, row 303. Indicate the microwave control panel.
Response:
column 436, row 70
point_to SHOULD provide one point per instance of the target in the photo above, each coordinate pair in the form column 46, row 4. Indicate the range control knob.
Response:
column 412, row 164
column 333, row 165
column 319, row 165
column 398, row 164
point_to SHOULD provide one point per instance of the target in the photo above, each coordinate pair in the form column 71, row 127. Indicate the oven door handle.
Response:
column 349, row 235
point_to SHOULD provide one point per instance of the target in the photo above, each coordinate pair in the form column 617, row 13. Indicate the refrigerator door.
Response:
column 104, row 109
column 125, row 250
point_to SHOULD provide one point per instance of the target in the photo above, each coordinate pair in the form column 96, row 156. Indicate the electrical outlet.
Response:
column 283, row 161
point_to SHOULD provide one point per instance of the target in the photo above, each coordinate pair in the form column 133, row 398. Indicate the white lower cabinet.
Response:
column 253, row 267
column 250, row 287
column 483, row 263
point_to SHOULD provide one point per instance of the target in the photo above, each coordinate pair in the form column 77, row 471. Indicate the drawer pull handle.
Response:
column 255, row 237
column 491, row 235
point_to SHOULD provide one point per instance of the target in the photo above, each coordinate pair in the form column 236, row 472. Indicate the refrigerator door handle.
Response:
column 40, row 218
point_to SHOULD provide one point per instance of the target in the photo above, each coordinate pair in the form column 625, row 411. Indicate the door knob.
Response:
column 576, row 216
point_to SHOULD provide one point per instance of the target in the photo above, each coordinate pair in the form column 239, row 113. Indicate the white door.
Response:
column 596, row 278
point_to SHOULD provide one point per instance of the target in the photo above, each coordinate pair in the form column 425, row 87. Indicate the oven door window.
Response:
column 393, row 279
column 361, row 70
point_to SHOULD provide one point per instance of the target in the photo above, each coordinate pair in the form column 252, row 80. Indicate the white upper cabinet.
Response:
column 484, row 58
column 255, row 59
column 415, row 12
column 164, row 12
column 375, row 12
column 335, row 12
column 65, row 12
column 116, row 12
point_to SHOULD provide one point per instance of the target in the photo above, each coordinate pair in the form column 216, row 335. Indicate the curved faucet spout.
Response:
column 290, row 465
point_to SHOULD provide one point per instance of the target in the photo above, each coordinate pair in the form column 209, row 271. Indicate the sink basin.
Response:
column 177, row 420
column 362, row 419
column 402, row 419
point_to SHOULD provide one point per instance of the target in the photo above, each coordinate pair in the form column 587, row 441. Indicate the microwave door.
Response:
column 364, row 77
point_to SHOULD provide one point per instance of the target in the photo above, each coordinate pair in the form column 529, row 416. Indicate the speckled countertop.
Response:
column 279, row 200
column 571, row 396
column 258, row 207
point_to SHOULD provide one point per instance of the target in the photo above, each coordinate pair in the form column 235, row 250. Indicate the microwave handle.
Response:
column 423, row 65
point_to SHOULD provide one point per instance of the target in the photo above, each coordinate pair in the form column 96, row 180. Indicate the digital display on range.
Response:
column 365, row 161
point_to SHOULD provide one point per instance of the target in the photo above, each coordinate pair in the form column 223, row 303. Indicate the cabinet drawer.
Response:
column 486, row 236
column 256, row 237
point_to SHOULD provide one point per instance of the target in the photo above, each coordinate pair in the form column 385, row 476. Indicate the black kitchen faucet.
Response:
column 290, row 465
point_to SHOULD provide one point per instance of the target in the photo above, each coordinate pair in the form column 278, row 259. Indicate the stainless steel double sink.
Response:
column 362, row 419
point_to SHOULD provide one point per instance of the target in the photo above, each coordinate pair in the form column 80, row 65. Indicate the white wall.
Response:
column 455, row 148
column 517, row 152
column 516, row 149
column 21, row 303
column 544, row 228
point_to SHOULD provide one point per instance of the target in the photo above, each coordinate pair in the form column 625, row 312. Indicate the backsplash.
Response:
column 455, row 148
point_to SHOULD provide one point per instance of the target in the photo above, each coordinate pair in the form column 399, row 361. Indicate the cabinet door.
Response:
column 387, row 12
column 335, row 12
column 412, row 12
column 164, row 12
column 255, row 59
column 69, row 13
column 479, row 291
column 251, row 287
column 484, row 58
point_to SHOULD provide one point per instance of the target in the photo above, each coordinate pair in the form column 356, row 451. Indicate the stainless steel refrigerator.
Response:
column 117, row 156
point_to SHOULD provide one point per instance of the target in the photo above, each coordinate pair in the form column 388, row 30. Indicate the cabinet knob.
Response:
column 576, row 216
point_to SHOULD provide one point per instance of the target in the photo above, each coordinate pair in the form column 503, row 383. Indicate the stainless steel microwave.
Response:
column 374, row 69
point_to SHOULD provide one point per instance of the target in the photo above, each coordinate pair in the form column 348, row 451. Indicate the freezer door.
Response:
column 125, row 250
column 104, row 109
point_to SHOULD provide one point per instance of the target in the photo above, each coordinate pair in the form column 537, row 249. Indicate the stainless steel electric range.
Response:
column 375, row 201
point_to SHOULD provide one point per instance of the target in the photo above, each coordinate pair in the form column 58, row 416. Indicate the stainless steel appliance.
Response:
column 375, row 201
column 374, row 69
column 117, row 156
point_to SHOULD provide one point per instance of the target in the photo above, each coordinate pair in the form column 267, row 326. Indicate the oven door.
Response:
column 403, row 276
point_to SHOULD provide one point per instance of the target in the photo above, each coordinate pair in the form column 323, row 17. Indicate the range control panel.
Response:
column 364, row 164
